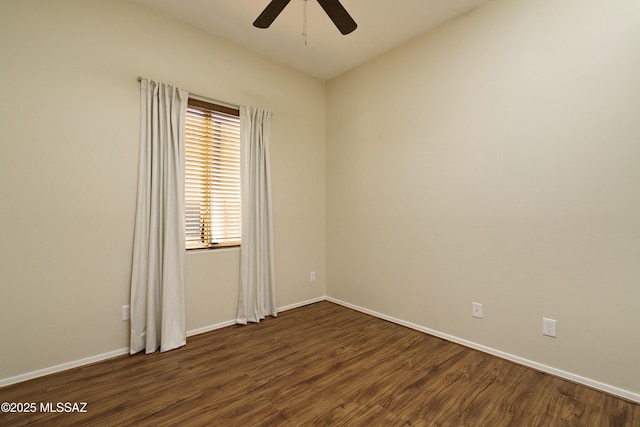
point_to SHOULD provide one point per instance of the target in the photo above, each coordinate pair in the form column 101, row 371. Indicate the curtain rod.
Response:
column 203, row 98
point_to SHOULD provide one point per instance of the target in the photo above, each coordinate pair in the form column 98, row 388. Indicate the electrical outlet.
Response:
column 312, row 276
column 476, row 310
column 549, row 327
column 126, row 315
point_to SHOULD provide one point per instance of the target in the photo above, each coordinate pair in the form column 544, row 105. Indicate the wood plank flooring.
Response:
column 318, row 365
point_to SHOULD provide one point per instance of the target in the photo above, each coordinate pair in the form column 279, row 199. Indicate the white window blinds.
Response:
column 212, row 176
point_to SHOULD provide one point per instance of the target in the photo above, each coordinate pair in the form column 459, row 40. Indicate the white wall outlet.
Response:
column 312, row 276
column 476, row 310
column 549, row 327
column 126, row 315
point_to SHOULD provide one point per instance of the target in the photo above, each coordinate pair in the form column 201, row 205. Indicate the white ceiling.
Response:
column 382, row 25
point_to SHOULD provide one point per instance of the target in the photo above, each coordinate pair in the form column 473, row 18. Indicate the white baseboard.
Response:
column 62, row 367
column 210, row 328
column 625, row 394
column 233, row 322
column 104, row 356
column 301, row 304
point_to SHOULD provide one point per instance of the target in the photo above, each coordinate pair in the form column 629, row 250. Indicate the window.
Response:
column 212, row 176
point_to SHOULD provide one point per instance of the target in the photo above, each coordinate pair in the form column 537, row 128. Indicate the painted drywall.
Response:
column 496, row 160
column 69, row 123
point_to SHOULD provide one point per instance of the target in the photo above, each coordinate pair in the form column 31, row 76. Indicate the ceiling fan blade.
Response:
column 270, row 13
column 339, row 15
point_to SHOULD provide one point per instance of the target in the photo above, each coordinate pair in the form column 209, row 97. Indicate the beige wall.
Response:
column 494, row 160
column 497, row 160
column 68, row 167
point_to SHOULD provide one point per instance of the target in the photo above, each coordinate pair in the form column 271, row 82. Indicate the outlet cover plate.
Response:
column 476, row 310
column 126, row 314
column 549, row 327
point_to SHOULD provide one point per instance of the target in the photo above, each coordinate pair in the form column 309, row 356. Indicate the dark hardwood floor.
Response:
column 321, row 364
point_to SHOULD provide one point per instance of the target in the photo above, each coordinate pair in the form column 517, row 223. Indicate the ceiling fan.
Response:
column 333, row 8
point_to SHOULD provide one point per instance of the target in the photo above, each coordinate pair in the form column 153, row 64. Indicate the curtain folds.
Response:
column 257, row 292
column 158, row 273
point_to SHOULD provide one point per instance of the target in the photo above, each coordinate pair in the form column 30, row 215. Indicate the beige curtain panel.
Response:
column 257, row 292
column 158, row 274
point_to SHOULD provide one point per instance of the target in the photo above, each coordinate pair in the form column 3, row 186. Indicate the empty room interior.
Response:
column 464, row 181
